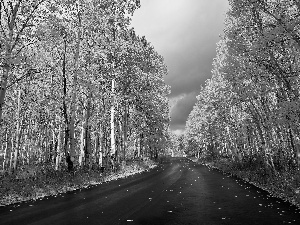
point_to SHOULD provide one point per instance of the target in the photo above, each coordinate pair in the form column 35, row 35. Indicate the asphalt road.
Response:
column 177, row 192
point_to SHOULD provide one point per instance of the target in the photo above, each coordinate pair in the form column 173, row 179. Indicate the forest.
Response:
column 79, row 89
column 246, row 119
column 83, row 98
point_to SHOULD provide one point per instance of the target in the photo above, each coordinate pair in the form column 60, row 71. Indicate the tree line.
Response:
column 249, row 109
column 78, row 85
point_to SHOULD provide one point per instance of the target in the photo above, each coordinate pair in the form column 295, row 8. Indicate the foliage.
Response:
column 246, row 119
column 248, row 111
column 57, row 85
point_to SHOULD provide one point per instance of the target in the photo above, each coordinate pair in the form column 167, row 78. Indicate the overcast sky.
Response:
column 185, row 33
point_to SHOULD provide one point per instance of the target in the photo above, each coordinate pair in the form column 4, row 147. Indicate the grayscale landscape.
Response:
column 149, row 112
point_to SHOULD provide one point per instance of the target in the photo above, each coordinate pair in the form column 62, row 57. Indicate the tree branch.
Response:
column 29, row 72
column 25, row 24
column 4, row 34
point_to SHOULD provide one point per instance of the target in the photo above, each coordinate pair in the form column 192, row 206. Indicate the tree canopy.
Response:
column 76, row 82
column 249, row 109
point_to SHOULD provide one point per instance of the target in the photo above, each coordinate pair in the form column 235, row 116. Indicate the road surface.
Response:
column 177, row 192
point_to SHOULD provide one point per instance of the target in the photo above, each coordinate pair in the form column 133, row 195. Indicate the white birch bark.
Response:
column 59, row 150
column 82, row 144
column 18, row 131
column 5, row 151
column 74, row 89
column 101, row 147
column 112, row 118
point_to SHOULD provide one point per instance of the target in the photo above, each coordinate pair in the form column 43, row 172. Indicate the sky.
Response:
column 185, row 33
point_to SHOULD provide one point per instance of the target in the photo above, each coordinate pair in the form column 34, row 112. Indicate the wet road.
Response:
column 177, row 192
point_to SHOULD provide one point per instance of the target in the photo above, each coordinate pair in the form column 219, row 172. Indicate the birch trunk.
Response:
column 3, row 87
column 5, row 151
column 53, row 148
column 96, row 151
column 18, row 132
column 11, row 153
column 101, row 143
column 6, row 70
column 101, row 152
column 59, row 144
column 46, row 144
column 125, row 133
column 112, row 118
column 74, row 90
column 140, row 146
column 88, row 149
column 82, row 144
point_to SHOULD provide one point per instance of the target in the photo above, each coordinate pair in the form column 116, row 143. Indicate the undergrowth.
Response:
column 34, row 182
column 284, row 184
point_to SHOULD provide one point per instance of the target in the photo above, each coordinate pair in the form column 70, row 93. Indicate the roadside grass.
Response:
column 284, row 184
column 34, row 182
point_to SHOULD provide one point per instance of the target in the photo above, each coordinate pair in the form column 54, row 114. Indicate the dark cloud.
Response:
column 181, row 110
column 185, row 33
column 187, row 74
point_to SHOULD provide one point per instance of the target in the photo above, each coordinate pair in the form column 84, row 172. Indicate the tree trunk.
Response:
column 66, row 148
column 54, row 146
column 46, row 144
column 88, row 149
column 11, row 153
column 96, row 144
column 3, row 88
column 18, row 131
column 112, row 119
column 101, row 148
column 58, row 150
column 141, row 144
column 5, row 151
column 82, row 144
column 74, row 90
column 125, row 132
column 82, row 139
column 6, row 71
